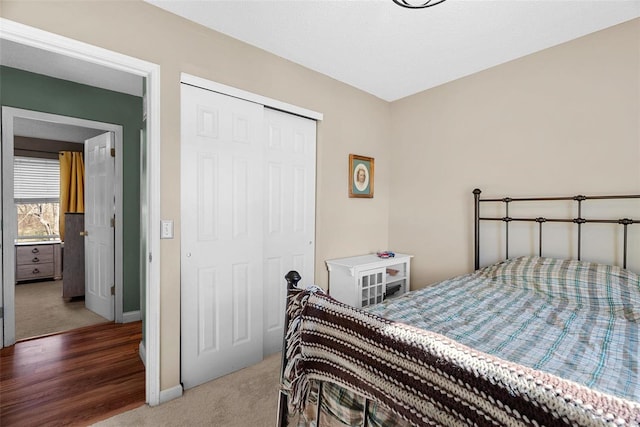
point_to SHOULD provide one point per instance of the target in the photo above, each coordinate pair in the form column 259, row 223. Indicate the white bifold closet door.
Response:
column 247, row 217
column 289, row 213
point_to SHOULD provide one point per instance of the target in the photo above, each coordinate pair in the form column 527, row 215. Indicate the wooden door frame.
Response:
column 34, row 37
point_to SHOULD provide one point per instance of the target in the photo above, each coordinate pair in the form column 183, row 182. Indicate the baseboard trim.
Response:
column 170, row 393
column 131, row 316
column 142, row 352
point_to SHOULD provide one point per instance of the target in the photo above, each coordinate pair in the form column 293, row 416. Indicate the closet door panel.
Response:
column 221, row 235
column 289, row 187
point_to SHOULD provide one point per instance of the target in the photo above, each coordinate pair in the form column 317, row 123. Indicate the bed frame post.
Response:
column 579, row 220
column 540, row 221
column 625, row 222
column 476, row 222
column 292, row 277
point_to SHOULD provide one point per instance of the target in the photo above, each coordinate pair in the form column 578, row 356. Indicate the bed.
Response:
column 530, row 340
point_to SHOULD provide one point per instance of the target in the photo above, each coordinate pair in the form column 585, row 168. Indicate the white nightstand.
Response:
column 368, row 279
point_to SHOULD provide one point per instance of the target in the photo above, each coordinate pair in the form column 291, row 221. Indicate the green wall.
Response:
column 36, row 92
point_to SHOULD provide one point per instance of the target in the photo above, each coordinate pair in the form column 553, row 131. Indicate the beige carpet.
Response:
column 41, row 310
column 247, row 398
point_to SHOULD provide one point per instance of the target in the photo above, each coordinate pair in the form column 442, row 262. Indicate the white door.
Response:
column 289, row 186
column 99, row 233
column 221, row 235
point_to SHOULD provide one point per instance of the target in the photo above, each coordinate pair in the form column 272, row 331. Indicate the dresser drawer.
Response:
column 29, row 272
column 34, row 254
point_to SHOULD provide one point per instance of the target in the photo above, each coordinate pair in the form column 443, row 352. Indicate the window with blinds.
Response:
column 36, row 180
column 37, row 198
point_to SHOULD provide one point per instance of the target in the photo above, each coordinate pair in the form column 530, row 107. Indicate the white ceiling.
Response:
column 51, row 64
column 52, row 130
column 392, row 52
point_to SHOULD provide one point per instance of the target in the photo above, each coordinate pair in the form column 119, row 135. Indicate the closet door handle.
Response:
column 84, row 233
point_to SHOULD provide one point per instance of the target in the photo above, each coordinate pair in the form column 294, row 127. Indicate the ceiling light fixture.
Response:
column 417, row 4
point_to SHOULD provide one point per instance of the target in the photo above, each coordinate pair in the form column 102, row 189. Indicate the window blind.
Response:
column 36, row 179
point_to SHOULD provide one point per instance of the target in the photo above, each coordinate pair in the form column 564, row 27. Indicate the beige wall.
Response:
column 563, row 121
column 576, row 100
column 354, row 122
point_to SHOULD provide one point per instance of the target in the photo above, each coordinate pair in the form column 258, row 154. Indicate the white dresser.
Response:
column 35, row 261
column 368, row 279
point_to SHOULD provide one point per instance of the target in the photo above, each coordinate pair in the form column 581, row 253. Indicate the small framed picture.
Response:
column 360, row 176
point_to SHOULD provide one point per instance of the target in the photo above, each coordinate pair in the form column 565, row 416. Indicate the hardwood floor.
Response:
column 74, row 378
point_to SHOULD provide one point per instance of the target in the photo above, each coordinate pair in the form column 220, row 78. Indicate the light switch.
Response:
column 166, row 229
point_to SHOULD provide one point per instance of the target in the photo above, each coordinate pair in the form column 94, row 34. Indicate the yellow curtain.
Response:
column 71, row 185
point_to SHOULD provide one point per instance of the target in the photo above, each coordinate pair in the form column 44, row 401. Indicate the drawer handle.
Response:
column 36, row 259
column 34, row 251
column 35, row 271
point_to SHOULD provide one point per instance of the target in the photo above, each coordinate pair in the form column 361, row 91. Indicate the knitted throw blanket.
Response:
column 427, row 379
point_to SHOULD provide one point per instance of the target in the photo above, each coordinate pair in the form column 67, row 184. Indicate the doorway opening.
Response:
column 33, row 307
column 31, row 42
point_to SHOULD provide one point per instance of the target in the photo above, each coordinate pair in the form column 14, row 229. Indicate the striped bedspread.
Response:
column 529, row 341
column 577, row 320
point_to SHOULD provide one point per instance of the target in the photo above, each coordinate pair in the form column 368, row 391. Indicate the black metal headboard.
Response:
column 578, row 220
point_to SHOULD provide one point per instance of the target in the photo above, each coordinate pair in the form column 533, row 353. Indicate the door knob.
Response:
column 84, row 233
